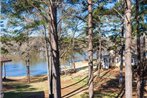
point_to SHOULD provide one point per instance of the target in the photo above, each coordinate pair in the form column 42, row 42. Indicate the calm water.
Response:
column 37, row 67
column 19, row 69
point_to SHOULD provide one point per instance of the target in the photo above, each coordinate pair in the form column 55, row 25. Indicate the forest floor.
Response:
column 106, row 85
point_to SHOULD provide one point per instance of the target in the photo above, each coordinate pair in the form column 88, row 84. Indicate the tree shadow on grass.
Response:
column 17, row 87
column 81, row 88
column 21, row 90
column 39, row 78
column 8, row 80
column 75, row 83
column 76, row 91
column 98, row 95
column 13, row 94
column 107, row 87
column 110, row 89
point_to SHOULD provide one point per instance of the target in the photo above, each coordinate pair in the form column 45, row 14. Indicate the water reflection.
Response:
column 19, row 69
column 38, row 65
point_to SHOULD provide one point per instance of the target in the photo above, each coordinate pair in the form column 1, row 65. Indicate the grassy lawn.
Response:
column 22, row 89
column 72, row 86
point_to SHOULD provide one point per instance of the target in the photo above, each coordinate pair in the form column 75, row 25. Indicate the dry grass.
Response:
column 73, row 85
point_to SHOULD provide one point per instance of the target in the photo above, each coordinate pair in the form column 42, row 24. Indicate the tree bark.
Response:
column 73, row 57
column 1, row 85
column 28, row 59
column 139, row 80
column 51, row 94
column 5, row 75
column 99, row 55
column 90, row 50
column 73, row 62
column 143, row 70
column 53, row 33
column 49, row 64
column 121, row 57
column 128, row 67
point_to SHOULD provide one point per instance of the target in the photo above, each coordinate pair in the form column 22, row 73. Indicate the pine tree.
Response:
column 90, row 49
column 128, row 67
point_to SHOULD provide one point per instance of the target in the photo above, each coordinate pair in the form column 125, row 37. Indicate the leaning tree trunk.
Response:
column 90, row 50
column 128, row 67
column 54, row 49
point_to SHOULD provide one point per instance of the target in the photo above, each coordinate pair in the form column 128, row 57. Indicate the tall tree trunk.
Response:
column 53, row 33
column 1, row 84
column 28, row 59
column 28, row 72
column 121, row 57
column 49, row 64
column 99, row 54
column 4, row 71
column 128, row 67
column 139, row 65
column 90, row 50
column 72, row 52
column 143, row 69
column 73, row 62
column 51, row 94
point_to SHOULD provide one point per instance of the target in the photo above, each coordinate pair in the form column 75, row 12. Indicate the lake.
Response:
column 19, row 69
column 37, row 66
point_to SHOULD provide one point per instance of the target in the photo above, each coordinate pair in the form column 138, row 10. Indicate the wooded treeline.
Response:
column 80, row 26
